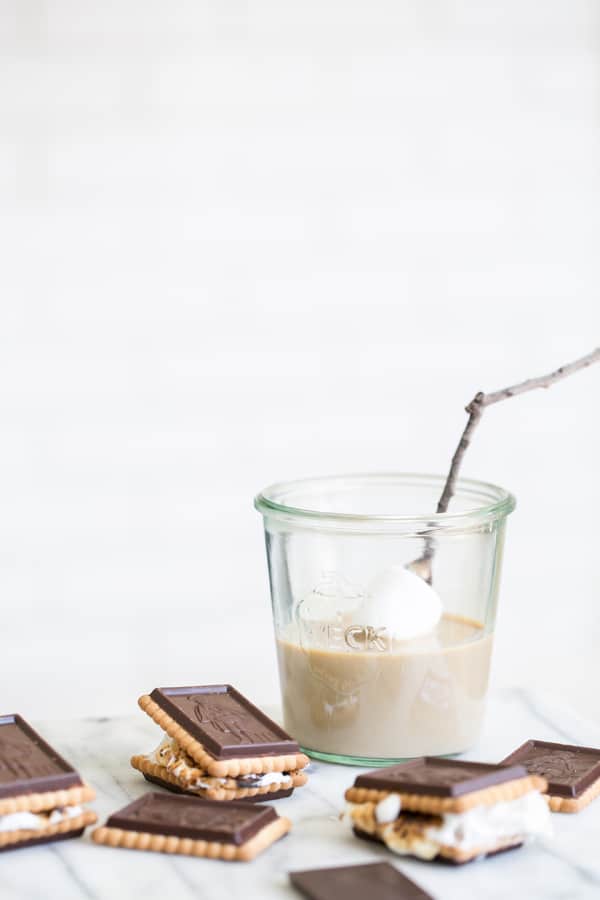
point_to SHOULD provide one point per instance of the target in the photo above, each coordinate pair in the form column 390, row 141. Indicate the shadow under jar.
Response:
column 375, row 665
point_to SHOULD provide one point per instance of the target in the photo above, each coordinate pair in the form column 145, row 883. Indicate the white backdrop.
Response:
column 243, row 242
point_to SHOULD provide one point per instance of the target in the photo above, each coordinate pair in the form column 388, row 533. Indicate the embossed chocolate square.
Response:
column 226, row 724
column 40, row 793
column 167, row 824
column 219, row 746
column 572, row 772
column 377, row 881
column 28, row 763
column 439, row 777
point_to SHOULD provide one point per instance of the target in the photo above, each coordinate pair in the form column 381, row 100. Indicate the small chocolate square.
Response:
column 568, row 769
column 226, row 724
column 438, row 777
column 188, row 817
column 375, row 881
column 28, row 764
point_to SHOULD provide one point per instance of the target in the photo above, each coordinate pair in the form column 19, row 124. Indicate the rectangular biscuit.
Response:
column 74, row 796
column 168, row 824
column 434, row 785
column 68, row 828
column 222, row 731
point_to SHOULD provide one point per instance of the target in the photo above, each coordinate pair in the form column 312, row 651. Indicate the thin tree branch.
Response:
column 475, row 411
column 480, row 401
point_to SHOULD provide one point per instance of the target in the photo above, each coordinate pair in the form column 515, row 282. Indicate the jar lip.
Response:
column 502, row 502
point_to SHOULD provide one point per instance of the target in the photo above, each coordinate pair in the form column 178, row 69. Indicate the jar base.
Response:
column 372, row 762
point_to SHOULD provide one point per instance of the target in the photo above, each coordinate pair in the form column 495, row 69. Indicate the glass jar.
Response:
column 384, row 611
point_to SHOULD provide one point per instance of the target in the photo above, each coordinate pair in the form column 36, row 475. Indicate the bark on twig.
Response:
column 475, row 410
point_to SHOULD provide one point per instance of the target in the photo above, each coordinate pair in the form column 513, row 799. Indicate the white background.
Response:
column 242, row 242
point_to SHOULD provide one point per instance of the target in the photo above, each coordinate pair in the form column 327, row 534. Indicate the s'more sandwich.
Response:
column 449, row 809
column 41, row 795
column 219, row 746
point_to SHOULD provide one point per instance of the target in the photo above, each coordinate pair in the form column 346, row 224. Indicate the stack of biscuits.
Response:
column 218, row 746
column 457, row 811
column 41, row 795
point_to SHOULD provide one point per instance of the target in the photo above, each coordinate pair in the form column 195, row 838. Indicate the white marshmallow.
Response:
column 403, row 603
column 271, row 778
column 28, row 821
column 388, row 809
column 22, row 821
column 527, row 817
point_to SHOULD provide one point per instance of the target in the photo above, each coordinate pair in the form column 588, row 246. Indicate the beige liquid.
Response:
column 422, row 697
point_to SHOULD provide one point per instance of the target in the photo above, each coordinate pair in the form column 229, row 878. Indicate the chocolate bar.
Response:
column 40, row 793
column 226, row 724
column 219, row 746
column 572, row 772
column 377, row 881
column 170, row 824
column 28, row 763
column 438, row 777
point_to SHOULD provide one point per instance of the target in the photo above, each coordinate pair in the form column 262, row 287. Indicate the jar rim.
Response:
column 500, row 502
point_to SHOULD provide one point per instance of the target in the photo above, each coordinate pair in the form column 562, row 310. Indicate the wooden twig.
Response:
column 475, row 411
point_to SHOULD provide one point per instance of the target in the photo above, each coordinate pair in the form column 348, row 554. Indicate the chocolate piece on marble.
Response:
column 377, row 881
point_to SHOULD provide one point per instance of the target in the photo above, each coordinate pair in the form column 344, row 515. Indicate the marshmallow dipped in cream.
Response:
column 402, row 603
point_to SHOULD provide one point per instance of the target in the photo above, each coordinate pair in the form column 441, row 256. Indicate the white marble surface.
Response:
column 566, row 867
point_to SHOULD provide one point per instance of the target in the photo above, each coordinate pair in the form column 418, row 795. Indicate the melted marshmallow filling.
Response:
column 243, row 781
column 484, row 826
column 523, row 819
column 166, row 755
column 28, row 821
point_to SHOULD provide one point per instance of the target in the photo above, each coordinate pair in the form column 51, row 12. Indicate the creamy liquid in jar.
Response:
column 420, row 697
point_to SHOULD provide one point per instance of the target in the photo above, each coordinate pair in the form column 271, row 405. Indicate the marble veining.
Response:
column 566, row 867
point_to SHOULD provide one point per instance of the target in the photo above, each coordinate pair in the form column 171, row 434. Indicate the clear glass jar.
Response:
column 375, row 664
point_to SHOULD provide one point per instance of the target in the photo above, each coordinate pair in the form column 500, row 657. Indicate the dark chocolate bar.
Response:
column 188, row 817
column 377, row 881
column 568, row 769
column 439, row 777
column 28, row 764
column 226, row 724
